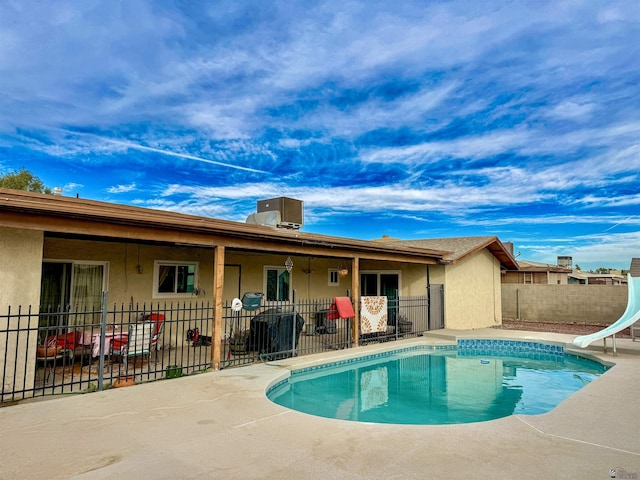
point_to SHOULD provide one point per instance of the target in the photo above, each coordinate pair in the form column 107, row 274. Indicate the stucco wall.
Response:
column 244, row 271
column 472, row 292
column 585, row 304
column 20, row 271
column 309, row 276
column 126, row 283
column 20, row 267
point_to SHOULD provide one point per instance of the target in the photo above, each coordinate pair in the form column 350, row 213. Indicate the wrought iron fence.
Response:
column 64, row 350
column 304, row 327
column 280, row 330
column 67, row 350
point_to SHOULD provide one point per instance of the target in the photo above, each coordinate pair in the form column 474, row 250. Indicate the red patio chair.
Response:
column 158, row 319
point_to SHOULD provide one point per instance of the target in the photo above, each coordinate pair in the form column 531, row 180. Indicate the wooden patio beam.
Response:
column 218, row 287
column 355, row 295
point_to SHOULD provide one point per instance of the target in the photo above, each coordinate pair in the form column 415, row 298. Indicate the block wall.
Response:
column 582, row 304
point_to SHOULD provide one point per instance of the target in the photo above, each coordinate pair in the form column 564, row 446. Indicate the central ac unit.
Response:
column 291, row 210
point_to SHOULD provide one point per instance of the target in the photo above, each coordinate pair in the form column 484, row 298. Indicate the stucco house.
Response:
column 471, row 269
column 537, row 273
column 65, row 250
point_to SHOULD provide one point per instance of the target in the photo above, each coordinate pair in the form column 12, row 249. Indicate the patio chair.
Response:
column 136, row 343
column 158, row 320
column 52, row 353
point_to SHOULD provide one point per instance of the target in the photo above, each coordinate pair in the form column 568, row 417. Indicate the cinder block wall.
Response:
column 583, row 304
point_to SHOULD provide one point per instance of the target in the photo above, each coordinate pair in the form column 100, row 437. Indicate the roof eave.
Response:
column 103, row 213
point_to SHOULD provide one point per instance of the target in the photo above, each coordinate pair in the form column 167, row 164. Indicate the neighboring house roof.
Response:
column 56, row 214
column 458, row 248
column 529, row 266
column 580, row 275
column 634, row 270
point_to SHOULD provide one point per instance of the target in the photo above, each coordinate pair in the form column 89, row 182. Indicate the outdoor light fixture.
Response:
column 288, row 264
column 343, row 271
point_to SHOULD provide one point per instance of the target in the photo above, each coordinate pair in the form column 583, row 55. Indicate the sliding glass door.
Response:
column 70, row 287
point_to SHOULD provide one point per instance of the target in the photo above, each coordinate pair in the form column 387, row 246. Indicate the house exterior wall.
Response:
column 20, row 267
column 414, row 280
column 310, row 276
column 537, row 278
column 513, row 277
column 126, row 286
column 472, row 292
column 437, row 274
column 244, row 271
column 20, row 270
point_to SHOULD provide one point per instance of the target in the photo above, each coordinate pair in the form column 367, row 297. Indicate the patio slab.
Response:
column 220, row 425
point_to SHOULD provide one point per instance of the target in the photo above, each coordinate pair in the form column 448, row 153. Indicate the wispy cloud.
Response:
column 445, row 117
column 122, row 188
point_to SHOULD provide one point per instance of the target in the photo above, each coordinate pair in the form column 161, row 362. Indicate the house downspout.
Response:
column 355, row 289
column 428, row 298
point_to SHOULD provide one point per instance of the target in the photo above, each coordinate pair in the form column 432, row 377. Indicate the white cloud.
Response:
column 122, row 188
column 445, row 197
column 593, row 251
column 571, row 110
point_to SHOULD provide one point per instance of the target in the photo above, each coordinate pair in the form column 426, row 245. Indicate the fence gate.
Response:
column 436, row 306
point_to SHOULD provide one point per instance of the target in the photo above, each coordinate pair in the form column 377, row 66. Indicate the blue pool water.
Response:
column 441, row 386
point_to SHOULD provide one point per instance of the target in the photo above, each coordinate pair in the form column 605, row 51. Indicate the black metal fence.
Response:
column 64, row 350
column 305, row 326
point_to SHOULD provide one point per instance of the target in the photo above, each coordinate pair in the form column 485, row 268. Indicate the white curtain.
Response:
column 86, row 289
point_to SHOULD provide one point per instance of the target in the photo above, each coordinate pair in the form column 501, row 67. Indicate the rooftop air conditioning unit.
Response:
column 291, row 210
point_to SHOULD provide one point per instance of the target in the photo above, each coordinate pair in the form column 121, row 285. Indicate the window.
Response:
column 334, row 277
column 173, row 278
column 277, row 284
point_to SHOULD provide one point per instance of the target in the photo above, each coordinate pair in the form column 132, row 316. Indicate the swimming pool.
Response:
column 477, row 380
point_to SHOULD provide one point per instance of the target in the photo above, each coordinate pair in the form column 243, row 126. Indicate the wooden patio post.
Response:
column 355, row 294
column 218, row 285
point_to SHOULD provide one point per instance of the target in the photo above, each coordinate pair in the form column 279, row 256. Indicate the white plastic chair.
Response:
column 138, row 342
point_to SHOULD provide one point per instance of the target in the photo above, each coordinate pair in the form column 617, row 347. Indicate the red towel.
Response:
column 340, row 308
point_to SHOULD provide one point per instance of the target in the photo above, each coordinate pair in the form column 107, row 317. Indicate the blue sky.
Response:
column 417, row 119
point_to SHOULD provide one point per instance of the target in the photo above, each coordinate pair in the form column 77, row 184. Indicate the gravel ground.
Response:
column 569, row 328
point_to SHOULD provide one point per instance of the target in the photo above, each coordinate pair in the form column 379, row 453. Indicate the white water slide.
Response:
column 630, row 316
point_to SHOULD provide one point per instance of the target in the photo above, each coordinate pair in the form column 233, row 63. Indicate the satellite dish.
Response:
column 236, row 304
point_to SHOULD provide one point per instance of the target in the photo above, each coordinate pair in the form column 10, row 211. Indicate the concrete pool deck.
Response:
column 220, row 425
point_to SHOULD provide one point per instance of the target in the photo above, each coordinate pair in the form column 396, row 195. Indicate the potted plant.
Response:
column 239, row 340
column 404, row 325
column 124, row 381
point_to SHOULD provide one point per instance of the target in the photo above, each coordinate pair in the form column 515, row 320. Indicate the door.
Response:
column 71, row 291
column 55, row 291
column 389, row 285
column 384, row 284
